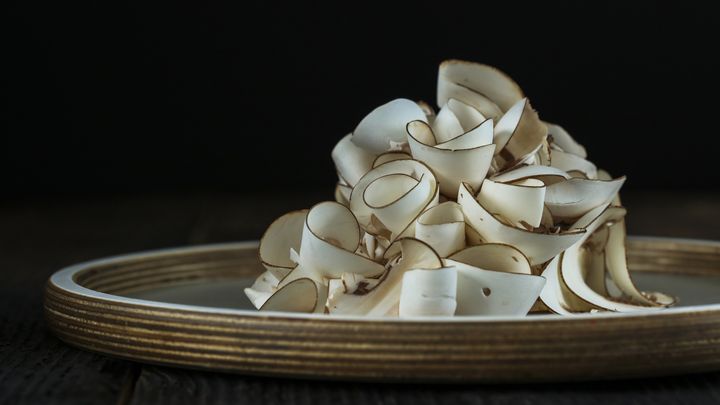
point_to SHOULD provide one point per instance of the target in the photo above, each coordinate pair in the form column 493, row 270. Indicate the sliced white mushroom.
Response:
column 494, row 256
column 330, row 237
column 442, row 227
column 484, row 87
column 520, row 203
column 572, row 198
column 428, row 292
column 342, row 194
column 383, row 300
column 446, row 125
column 472, row 237
column 554, row 293
column 518, row 134
column 564, row 141
column 592, row 261
column 395, row 198
column 488, row 292
column 384, row 128
column 370, row 248
column 308, row 273
column 617, row 267
column 357, row 283
column 469, row 164
column 547, row 174
column 543, row 155
column 389, row 157
column 351, row 161
column 547, row 221
column 456, row 118
column 467, row 115
column 300, row 295
column 479, row 135
column 427, row 109
column 604, row 175
column 573, row 163
column 573, row 275
column 283, row 234
column 388, row 199
column 539, row 247
column 263, row 287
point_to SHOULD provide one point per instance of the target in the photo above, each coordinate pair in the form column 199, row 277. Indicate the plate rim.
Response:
column 64, row 279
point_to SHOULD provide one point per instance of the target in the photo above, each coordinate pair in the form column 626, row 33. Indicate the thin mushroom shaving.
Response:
column 480, row 208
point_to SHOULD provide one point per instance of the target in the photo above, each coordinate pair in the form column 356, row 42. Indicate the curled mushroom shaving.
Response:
column 351, row 161
column 467, row 156
column 283, row 235
column 537, row 244
column 329, row 238
column 389, row 198
column 443, row 228
column 484, row 87
column 384, row 128
column 578, row 278
column 384, row 298
column 480, row 208
column 428, row 292
column 518, row 134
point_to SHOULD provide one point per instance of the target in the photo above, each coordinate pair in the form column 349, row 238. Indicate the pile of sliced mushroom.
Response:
column 479, row 209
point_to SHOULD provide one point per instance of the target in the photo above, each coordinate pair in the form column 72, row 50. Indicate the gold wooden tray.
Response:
column 185, row 307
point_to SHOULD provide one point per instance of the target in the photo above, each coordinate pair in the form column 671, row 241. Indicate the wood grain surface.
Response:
column 38, row 237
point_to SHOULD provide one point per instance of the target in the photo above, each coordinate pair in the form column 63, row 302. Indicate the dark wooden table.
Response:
column 39, row 236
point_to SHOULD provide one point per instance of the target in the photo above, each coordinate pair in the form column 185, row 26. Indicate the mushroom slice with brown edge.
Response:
column 330, row 238
column 562, row 139
column 494, row 256
column 300, row 295
column 282, row 235
column 383, row 129
column 263, row 287
column 427, row 109
column 456, row 118
column 494, row 279
column 592, row 261
column 351, row 161
column 604, row 175
column 469, row 162
column 547, row 174
column 388, row 199
column 342, row 194
column 518, row 134
column 389, row 157
column 383, row 300
column 539, row 247
column 573, row 164
column 484, row 87
column 428, row 292
column 443, row 228
column 519, row 203
column 573, row 198
column 542, row 156
column 555, row 295
column 617, row 267
column 573, row 275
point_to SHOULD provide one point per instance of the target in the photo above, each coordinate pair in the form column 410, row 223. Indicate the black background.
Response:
column 112, row 96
